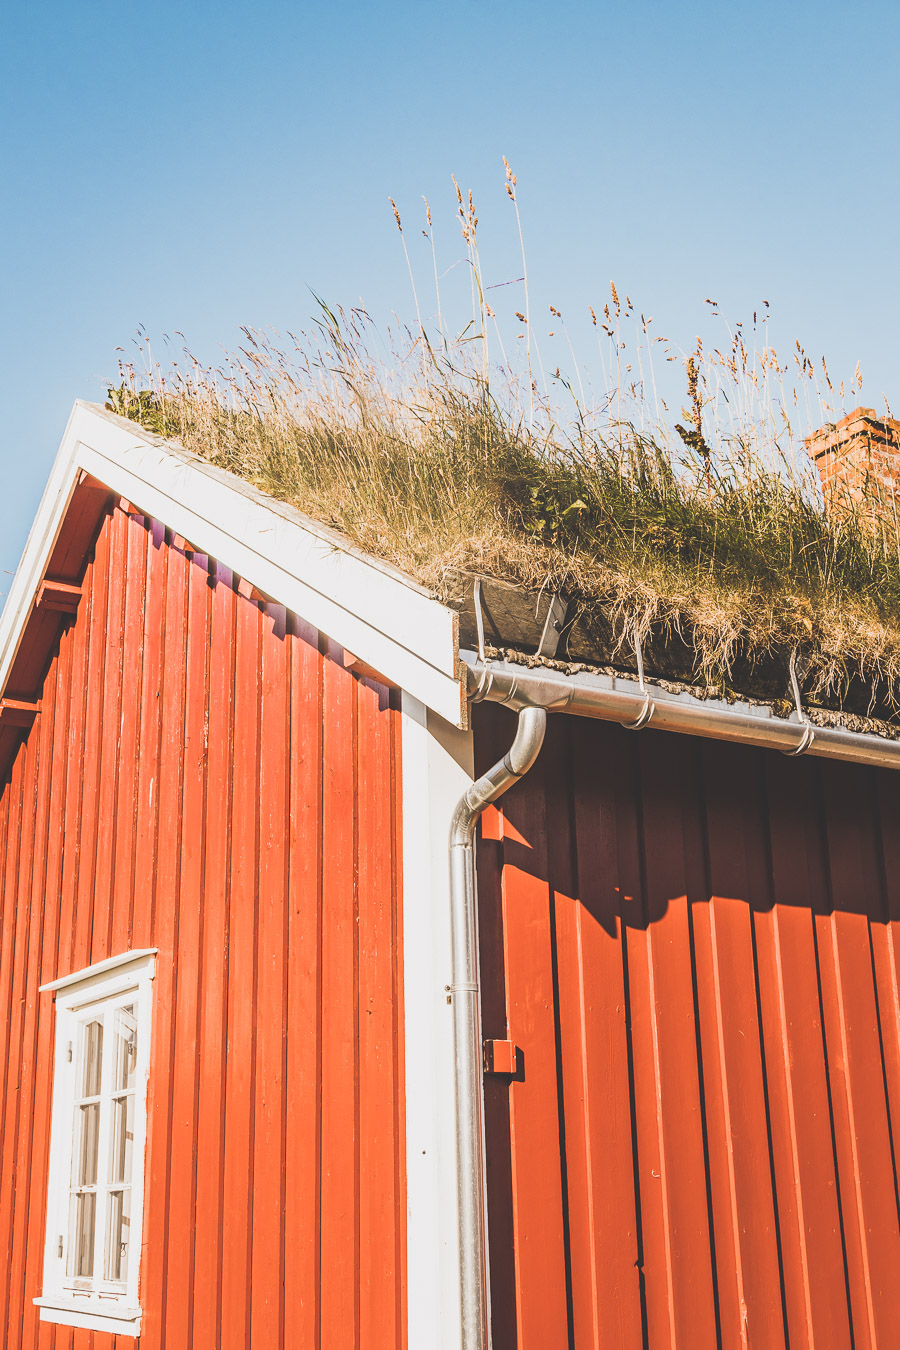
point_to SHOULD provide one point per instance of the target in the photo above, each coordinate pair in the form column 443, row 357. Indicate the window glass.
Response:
column 126, row 1048
column 118, row 1234
column 122, row 1144
column 83, row 1203
column 91, row 1057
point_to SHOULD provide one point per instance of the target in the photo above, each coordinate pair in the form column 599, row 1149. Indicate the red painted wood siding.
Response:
column 695, row 945
column 206, row 777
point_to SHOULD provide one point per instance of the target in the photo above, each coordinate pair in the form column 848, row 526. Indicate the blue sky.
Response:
column 199, row 166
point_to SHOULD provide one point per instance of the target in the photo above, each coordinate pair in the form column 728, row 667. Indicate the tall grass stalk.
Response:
column 712, row 532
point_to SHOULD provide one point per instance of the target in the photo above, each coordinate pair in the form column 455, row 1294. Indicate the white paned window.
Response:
column 97, row 1137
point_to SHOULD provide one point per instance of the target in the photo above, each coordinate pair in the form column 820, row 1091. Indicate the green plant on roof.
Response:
column 141, row 405
column 437, row 458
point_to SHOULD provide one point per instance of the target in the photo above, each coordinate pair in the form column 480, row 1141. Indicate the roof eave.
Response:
column 383, row 618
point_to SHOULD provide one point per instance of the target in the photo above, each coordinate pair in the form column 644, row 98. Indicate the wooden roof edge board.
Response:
column 58, row 595
column 39, row 546
column 352, row 662
column 17, row 712
column 388, row 621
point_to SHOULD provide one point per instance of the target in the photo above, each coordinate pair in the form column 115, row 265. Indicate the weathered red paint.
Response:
column 206, row 776
column 694, row 945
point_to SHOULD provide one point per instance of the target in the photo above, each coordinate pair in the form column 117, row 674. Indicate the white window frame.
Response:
column 98, row 1304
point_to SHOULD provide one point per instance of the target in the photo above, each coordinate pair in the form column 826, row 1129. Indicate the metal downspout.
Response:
column 467, row 1019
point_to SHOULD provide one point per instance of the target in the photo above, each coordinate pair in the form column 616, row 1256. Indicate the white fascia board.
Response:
column 387, row 621
column 38, row 548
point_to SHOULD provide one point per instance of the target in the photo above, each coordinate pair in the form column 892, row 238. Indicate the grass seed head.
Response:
column 708, row 534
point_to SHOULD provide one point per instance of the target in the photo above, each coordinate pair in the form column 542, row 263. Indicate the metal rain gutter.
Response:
column 617, row 699
column 533, row 692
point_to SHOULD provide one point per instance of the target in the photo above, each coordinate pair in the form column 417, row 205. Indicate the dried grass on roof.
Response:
column 722, row 542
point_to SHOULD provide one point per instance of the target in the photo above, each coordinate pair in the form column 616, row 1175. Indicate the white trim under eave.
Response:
column 385, row 619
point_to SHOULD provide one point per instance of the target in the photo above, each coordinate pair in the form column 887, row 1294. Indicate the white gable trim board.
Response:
column 384, row 619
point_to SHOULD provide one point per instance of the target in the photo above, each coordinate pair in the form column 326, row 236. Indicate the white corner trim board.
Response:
column 369, row 608
column 437, row 768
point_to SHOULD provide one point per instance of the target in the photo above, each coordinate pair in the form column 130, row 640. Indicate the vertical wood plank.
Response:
column 12, row 939
column 240, row 1063
column 606, row 1251
column 147, row 807
column 22, row 1314
column 164, row 926
column 339, row 1073
column 540, row 1249
column 868, row 1181
column 89, row 826
column 268, row 1256
column 488, row 729
column 808, row 1192
column 380, row 1204
column 303, row 1141
column 131, row 749
column 394, row 784
column 185, row 1147
column 17, row 1086
column 74, row 777
column 749, row 1265
column 885, row 934
column 110, row 639
column 141, row 899
column 208, row 1237
column 78, row 852
column 56, row 702
column 679, row 1273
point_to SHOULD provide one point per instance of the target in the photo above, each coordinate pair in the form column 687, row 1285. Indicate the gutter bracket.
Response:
column 553, row 626
column 649, row 707
column 479, row 618
column 809, row 734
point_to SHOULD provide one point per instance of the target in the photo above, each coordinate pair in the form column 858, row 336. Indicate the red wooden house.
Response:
column 259, row 1090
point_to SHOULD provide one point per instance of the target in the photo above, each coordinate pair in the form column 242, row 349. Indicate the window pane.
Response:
column 81, row 1247
column 92, row 1053
column 122, row 1140
column 126, row 1048
column 88, row 1126
column 118, row 1232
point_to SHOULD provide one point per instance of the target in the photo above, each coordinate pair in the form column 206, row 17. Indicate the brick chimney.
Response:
column 858, row 458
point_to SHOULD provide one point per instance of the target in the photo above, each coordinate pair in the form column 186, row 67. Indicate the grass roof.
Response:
column 709, row 544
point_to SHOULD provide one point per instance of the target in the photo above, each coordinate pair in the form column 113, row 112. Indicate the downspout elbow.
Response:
column 467, row 1020
column 518, row 759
